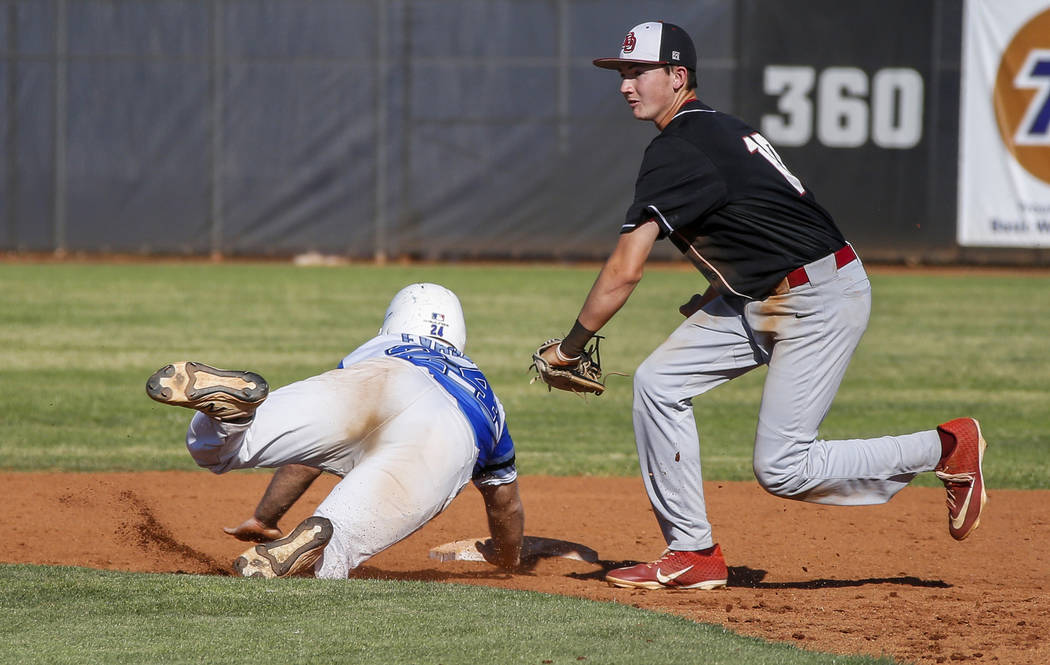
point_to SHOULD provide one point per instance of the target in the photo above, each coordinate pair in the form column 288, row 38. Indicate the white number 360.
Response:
column 843, row 114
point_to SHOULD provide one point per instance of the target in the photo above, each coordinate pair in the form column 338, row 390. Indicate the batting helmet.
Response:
column 428, row 310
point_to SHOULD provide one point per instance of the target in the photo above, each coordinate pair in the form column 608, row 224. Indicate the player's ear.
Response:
column 679, row 77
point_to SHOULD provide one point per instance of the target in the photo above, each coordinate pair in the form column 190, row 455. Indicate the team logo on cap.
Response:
column 629, row 42
column 1022, row 96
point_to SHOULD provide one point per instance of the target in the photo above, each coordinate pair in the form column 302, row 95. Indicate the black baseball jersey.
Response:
column 719, row 191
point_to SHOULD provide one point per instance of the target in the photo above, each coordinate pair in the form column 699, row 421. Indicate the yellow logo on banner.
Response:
column 1022, row 96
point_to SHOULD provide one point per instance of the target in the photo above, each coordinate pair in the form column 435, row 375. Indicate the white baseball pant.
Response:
column 400, row 442
column 807, row 336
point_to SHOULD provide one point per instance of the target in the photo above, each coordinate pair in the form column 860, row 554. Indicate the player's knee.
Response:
column 783, row 482
column 646, row 379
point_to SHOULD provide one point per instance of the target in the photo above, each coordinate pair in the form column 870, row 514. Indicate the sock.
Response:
column 947, row 445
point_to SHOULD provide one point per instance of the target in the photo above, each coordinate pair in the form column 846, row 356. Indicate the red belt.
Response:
column 798, row 276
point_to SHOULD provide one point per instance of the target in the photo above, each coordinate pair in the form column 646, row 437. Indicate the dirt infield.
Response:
column 875, row 580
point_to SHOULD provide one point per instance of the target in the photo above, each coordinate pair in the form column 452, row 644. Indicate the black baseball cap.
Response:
column 656, row 43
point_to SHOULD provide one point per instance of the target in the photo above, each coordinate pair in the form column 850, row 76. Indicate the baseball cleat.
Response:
column 294, row 554
column 961, row 474
column 703, row 569
column 223, row 394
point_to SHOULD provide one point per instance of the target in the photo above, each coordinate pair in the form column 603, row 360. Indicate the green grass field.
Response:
column 77, row 342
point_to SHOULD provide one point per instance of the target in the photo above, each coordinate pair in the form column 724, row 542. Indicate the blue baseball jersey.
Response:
column 461, row 379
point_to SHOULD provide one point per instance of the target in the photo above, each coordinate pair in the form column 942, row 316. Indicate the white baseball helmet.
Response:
column 429, row 310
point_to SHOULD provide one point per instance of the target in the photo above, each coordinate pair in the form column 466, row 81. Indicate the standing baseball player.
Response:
column 406, row 421
column 785, row 290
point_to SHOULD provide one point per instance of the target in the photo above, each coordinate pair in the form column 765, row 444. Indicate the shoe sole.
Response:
column 295, row 553
column 220, row 393
column 706, row 585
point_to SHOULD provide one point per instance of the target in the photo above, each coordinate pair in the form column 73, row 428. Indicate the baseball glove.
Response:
column 582, row 377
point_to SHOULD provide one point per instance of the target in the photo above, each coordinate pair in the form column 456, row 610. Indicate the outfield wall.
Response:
column 450, row 129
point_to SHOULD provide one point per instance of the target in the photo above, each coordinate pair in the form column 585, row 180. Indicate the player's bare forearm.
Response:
column 287, row 485
column 619, row 276
column 506, row 517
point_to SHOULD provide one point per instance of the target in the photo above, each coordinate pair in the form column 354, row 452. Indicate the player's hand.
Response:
column 252, row 530
column 498, row 557
column 555, row 359
column 693, row 306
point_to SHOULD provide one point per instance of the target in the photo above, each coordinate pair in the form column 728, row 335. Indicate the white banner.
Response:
column 1004, row 145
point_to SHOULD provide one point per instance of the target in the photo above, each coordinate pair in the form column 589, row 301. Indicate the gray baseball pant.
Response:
column 807, row 336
